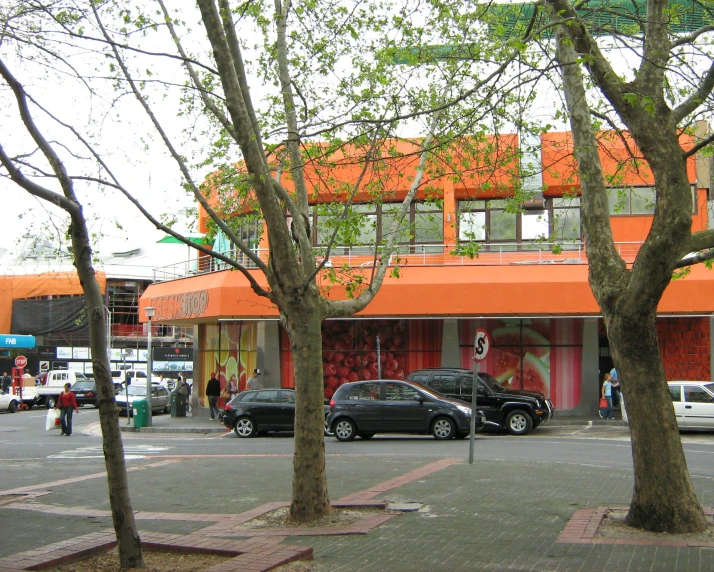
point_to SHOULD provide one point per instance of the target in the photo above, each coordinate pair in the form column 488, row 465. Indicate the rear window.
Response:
column 267, row 397
column 364, row 391
column 675, row 393
column 443, row 383
column 83, row 385
column 419, row 377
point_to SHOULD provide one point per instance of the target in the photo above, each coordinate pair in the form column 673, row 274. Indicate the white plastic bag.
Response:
column 53, row 419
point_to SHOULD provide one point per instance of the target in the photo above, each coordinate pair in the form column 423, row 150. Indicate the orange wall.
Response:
column 21, row 286
column 685, row 347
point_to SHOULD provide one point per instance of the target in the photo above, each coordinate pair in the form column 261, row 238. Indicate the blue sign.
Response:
column 11, row 341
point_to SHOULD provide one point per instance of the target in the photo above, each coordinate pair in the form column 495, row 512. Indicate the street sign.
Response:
column 481, row 344
column 20, row 361
column 10, row 341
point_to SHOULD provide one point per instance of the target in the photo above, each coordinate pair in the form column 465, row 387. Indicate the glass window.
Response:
column 444, row 383
column 642, row 201
column 534, row 225
column 288, row 396
column 472, row 226
column 389, row 214
column 246, row 396
column 83, row 385
column 428, row 223
column 365, row 391
column 631, row 201
column 695, row 394
column 267, row 396
column 502, row 224
column 400, row 392
column 420, row 378
column 675, row 392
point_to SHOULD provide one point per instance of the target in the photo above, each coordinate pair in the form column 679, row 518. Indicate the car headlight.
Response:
column 465, row 410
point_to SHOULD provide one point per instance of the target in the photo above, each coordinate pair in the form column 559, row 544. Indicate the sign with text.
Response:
column 10, row 341
column 20, row 361
column 481, row 344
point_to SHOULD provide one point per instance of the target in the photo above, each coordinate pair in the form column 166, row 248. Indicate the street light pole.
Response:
column 150, row 311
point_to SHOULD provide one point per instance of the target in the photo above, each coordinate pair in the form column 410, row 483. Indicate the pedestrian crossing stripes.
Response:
column 131, row 452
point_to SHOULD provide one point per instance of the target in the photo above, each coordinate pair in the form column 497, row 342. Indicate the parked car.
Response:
column 9, row 402
column 517, row 411
column 48, row 393
column 85, row 392
column 259, row 411
column 159, row 398
column 693, row 403
column 387, row 406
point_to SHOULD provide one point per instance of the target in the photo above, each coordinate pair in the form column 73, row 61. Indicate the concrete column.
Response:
column 268, row 353
column 590, row 382
column 196, row 410
column 450, row 344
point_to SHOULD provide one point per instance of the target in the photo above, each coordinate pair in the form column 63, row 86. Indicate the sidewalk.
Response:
column 446, row 515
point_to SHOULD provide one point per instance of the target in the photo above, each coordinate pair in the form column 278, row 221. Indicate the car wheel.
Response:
column 345, row 429
column 12, row 408
column 245, row 427
column 366, row 435
column 51, row 402
column 518, row 422
column 443, row 428
column 328, row 431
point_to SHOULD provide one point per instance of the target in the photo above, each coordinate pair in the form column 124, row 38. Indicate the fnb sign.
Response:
column 10, row 341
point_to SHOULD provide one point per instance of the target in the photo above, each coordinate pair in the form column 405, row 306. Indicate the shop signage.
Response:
column 10, row 341
column 180, row 306
column 173, row 354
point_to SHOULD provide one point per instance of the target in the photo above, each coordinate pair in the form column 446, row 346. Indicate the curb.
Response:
column 130, row 429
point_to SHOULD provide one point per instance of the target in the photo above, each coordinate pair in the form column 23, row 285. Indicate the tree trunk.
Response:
column 663, row 499
column 127, row 535
column 304, row 323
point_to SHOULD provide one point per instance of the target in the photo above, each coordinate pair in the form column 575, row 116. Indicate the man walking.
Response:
column 6, row 382
column 254, row 381
column 213, row 392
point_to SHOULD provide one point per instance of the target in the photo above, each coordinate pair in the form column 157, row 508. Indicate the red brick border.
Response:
column 583, row 526
column 252, row 555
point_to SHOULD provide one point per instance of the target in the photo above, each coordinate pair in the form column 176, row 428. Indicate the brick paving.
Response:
column 494, row 515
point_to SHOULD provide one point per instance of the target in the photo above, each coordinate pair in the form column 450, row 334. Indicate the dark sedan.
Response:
column 85, row 392
column 261, row 411
column 364, row 408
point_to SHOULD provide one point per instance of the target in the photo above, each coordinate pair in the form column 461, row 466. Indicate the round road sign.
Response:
column 481, row 343
column 20, row 361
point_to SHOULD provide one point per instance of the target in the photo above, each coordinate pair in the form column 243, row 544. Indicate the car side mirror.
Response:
column 419, row 398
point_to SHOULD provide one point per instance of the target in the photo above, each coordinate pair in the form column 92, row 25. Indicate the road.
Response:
column 24, row 443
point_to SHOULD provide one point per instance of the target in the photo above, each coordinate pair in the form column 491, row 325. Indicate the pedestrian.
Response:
column 606, row 394
column 67, row 405
column 213, row 392
column 254, row 381
column 615, row 392
column 232, row 387
column 6, row 382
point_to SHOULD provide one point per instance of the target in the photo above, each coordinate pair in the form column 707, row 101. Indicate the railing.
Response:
column 492, row 254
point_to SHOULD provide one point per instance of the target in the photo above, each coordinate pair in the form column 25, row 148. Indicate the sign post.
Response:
column 481, row 344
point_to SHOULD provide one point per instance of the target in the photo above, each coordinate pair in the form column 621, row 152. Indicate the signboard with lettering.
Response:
column 12, row 341
column 180, row 306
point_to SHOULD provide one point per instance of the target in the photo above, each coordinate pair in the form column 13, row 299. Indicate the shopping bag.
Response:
column 603, row 403
column 53, row 420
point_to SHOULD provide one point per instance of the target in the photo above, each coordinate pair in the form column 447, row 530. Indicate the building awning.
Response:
column 451, row 291
column 195, row 238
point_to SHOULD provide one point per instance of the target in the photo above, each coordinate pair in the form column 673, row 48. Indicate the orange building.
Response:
column 528, row 287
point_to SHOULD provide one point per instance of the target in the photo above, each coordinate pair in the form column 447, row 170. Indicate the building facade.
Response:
column 528, row 285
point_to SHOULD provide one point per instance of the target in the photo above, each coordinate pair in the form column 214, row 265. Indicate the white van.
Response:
column 48, row 393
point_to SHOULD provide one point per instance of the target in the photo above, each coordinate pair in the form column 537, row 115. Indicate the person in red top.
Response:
column 67, row 405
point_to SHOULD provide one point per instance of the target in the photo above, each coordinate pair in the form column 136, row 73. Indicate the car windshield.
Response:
column 83, row 385
column 427, row 390
column 137, row 390
column 710, row 387
column 490, row 382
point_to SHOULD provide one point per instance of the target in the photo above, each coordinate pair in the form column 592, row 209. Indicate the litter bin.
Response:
column 178, row 405
column 141, row 416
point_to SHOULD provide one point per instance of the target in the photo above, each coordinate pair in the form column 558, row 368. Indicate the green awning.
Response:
column 195, row 238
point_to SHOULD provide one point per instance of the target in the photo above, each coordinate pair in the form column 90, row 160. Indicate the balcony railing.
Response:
column 491, row 254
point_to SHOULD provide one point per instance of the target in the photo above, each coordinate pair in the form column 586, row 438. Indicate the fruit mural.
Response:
column 538, row 354
column 229, row 349
column 349, row 350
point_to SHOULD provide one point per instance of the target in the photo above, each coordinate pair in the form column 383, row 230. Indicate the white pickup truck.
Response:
column 48, row 393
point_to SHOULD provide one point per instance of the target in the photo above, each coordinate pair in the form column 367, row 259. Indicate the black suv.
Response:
column 518, row 411
column 364, row 408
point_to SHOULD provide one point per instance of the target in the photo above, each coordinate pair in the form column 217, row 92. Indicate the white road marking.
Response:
column 131, row 452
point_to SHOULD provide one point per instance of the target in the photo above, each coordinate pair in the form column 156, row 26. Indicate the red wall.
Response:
column 684, row 346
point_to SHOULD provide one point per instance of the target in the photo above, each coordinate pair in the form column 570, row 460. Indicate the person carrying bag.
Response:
column 67, row 404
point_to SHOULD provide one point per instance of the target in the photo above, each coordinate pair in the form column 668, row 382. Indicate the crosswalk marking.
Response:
column 131, row 452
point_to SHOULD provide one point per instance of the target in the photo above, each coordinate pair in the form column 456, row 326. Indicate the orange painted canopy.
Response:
column 23, row 286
